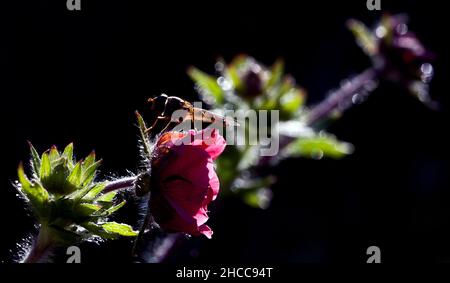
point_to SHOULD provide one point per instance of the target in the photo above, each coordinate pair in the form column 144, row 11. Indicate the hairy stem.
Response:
column 41, row 247
column 120, row 184
column 324, row 109
column 162, row 253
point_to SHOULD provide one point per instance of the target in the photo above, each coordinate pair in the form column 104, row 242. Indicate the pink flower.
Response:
column 184, row 181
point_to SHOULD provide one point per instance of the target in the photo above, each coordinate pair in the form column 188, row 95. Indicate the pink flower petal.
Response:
column 185, row 180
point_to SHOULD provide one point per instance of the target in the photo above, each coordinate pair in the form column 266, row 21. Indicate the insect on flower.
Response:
column 165, row 106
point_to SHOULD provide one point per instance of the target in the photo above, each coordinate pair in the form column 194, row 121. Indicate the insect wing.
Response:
column 206, row 116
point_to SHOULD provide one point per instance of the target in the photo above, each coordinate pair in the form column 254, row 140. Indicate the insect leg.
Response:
column 154, row 124
column 167, row 125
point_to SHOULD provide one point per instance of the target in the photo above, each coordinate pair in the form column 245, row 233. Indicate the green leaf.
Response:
column 119, row 229
column 276, row 74
column 318, row 147
column 68, row 153
column 364, row 37
column 108, row 197
column 254, row 183
column 273, row 100
column 35, row 160
column 22, row 177
column 89, row 173
column 144, row 136
column 141, row 122
column 46, row 167
column 113, row 209
column 249, row 158
column 94, row 191
column 258, row 198
column 35, row 193
column 65, row 198
column 54, row 154
column 57, row 183
column 240, row 60
column 81, row 193
column 75, row 176
column 89, row 161
column 98, row 230
column 255, row 192
column 291, row 101
column 86, row 209
column 233, row 75
column 209, row 85
column 251, row 198
column 227, row 165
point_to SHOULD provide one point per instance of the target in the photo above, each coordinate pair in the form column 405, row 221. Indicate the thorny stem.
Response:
column 119, row 184
column 324, row 109
column 41, row 247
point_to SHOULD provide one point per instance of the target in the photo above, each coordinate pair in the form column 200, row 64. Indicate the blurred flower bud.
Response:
column 252, row 84
column 397, row 54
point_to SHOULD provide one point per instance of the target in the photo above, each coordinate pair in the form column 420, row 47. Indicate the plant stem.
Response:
column 159, row 246
column 120, row 184
column 344, row 94
column 41, row 246
column 166, row 248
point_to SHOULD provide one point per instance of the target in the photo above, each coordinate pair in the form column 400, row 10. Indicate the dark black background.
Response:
column 68, row 76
